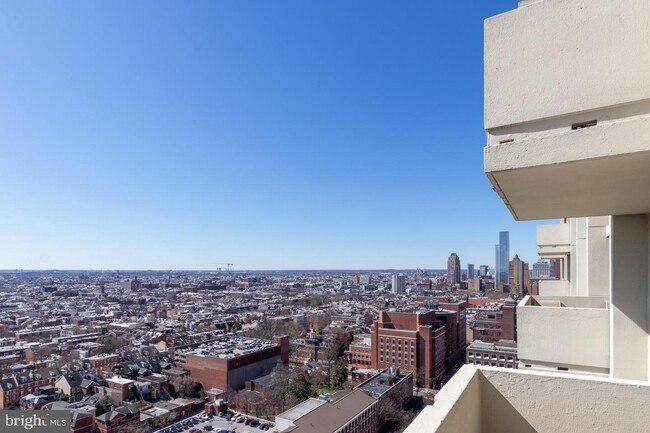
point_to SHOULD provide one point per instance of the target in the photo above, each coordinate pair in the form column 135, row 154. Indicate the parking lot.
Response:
column 228, row 422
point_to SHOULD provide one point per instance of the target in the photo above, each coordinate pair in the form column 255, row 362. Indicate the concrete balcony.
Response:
column 487, row 399
column 567, row 108
column 569, row 333
column 554, row 288
column 553, row 240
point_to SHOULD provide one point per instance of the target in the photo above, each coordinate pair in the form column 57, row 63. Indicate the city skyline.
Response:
column 271, row 144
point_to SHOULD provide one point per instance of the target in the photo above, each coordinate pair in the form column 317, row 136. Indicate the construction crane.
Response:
column 228, row 269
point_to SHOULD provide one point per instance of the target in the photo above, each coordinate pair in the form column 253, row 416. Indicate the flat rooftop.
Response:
column 229, row 347
column 382, row 383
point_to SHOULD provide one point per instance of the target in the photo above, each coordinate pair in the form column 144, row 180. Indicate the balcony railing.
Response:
column 564, row 332
column 486, row 400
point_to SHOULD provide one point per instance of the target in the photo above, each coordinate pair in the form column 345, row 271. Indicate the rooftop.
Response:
column 229, row 347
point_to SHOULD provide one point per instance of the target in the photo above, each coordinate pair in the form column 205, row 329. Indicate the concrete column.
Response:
column 597, row 256
column 580, row 259
column 629, row 296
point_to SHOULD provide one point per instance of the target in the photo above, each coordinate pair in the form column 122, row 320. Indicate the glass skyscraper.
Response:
column 503, row 258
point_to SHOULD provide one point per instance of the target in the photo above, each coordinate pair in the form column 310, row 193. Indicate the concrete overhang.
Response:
column 600, row 170
column 567, row 108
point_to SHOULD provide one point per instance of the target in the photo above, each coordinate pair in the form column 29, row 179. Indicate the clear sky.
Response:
column 272, row 135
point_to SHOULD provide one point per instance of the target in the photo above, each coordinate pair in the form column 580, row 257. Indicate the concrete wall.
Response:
column 554, row 238
column 629, row 282
column 597, row 259
column 554, row 287
column 571, row 57
column 457, row 407
column 514, row 401
column 238, row 377
column 567, row 106
column 563, row 334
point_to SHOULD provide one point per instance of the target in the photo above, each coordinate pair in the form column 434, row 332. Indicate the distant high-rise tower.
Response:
column 470, row 271
column 453, row 269
column 399, row 283
column 541, row 269
column 483, row 270
column 503, row 258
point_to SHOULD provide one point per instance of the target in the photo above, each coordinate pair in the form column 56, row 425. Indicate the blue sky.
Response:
column 271, row 135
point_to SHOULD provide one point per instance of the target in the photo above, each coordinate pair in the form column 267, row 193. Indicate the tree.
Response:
column 338, row 375
column 111, row 343
column 103, row 405
column 267, row 329
column 185, row 386
column 299, row 387
column 280, row 379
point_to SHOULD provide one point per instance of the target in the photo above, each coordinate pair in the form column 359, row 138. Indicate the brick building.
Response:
column 359, row 354
column 14, row 388
column 345, row 412
column 118, row 390
column 99, row 361
column 490, row 326
column 410, row 340
column 115, row 420
column 229, row 364
column 364, row 409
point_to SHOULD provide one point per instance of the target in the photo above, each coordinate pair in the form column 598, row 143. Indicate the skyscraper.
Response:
column 398, row 283
column 541, row 269
column 503, row 258
column 470, row 271
column 453, row 269
column 519, row 276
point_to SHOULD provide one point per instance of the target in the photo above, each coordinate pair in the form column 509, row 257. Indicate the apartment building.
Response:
column 359, row 353
column 412, row 340
column 493, row 324
column 19, row 385
column 566, row 106
column 502, row 354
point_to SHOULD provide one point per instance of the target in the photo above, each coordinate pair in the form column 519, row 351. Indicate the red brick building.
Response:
column 359, row 354
column 227, row 369
column 114, row 420
column 21, row 384
column 412, row 341
column 490, row 326
column 99, row 361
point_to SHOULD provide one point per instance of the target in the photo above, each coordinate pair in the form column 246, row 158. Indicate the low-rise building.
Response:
column 500, row 354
